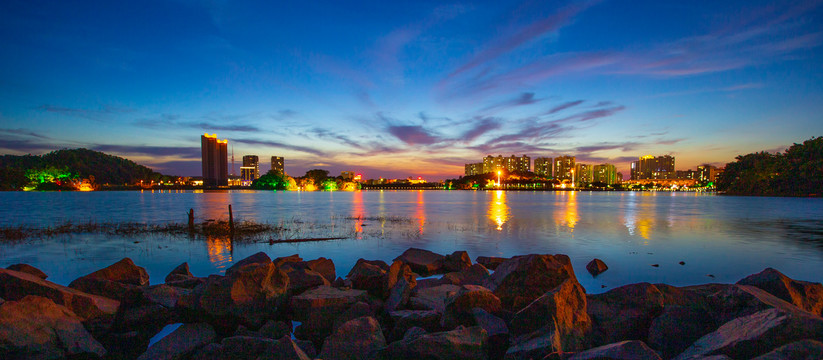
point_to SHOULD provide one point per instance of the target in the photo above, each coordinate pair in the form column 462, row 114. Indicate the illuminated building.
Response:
column 250, row 170
column 215, row 160
column 543, row 167
column 708, row 173
column 605, row 173
column 583, row 173
column 474, row 169
column 563, row 167
column 653, row 167
column 513, row 163
column 277, row 164
column 347, row 175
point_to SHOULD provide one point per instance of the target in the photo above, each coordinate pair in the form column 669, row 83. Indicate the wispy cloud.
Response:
column 24, row 132
column 479, row 127
column 281, row 145
column 564, row 106
column 231, row 123
column 413, row 134
column 159, row 151
column 99, row 114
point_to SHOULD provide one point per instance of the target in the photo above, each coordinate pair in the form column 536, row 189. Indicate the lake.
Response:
column 725, row 237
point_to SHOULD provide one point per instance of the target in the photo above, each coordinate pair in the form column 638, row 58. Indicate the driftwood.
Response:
column 282, row 241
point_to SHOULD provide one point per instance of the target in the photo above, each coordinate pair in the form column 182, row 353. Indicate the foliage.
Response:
column 272, row 180
column 796, row 172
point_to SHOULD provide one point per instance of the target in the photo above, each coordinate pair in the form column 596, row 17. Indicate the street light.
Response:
column 498, row 178
column 572, row 178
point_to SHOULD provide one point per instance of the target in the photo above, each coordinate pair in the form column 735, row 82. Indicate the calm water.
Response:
column 727, row 237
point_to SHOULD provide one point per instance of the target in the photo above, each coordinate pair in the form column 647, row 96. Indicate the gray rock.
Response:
column 423, row 262
column 624, row 350
column 799, row 350
column 180, row 273
column 356, row 339
column 182, row 341
column 458, row 344
column 258, row 258
column 26, row 268
column 521, row 279
column 596, row 266
column 457, row 261
column 805, row 295
column 490, row 262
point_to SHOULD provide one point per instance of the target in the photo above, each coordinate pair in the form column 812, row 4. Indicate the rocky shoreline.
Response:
column 527, row 307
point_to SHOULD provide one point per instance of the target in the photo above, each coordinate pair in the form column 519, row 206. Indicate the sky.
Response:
column 395, row 89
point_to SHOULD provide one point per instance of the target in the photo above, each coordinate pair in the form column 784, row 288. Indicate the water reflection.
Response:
column 498, row 209
column 357, row 212
column 566, row 214
column 420, row 212
column 220, row 251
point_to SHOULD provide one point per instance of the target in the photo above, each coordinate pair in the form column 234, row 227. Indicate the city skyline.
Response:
column 419, row 89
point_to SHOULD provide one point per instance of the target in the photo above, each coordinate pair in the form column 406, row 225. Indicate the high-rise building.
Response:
column 474, row 169
column 582, row 173
column 277, row 164
column 708, row 173
column 563, row 167
column 492, row 164
column 250, row 170
column 347, row 175
column 605, row 173
column 653, row 167
column 543, row 167
column 215, row 162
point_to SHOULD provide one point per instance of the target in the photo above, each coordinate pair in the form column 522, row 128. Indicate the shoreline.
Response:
column 399, row 310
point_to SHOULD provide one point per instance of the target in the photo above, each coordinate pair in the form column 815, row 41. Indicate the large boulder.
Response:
column 460, row 343
column 180, row 273
column 799, row 350
column 15, row 285
column 433, row 298
column 34, row 327
column 356, row 339
column 521, row 279
column 497, row 331
column 368, row 275
column 400, row 281
column 457, row 261
column 624, row 350
column 250, row 296
column 459, row 306
column 753, row 335
column 257, row 258
column 270, row 330
column 805, row 295
column 677, row 327
column 624, row 313
column 120, row 281
column 323, row 266
column 182, row 342
column 490, row 262
column 423, row 262
column 318, row 308
column 26, row 268
column 560, row 312
column 302, row 279
column 428, row 320
column 733, row 301
column 473, row 275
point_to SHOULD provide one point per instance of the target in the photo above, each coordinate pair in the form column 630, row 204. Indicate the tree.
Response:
column 796, row 172
column 272, row 180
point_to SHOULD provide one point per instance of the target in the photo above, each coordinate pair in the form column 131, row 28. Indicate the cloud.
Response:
column 326, row 134
column 281, row 145
column 91, row 114
column 479, row 128
column 24, row 132
column 593, row 114
column 624, row 146
column 413, row 134
column 18, row 145
column 526, row 98
column 227, row 123
column 159, row 151
column 218, row 127
column 564, row 106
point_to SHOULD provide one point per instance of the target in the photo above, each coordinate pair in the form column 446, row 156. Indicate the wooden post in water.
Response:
column 231, row 223
column 191, row 221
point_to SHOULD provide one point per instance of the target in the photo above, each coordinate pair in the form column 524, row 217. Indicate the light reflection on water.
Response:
column 728, row 237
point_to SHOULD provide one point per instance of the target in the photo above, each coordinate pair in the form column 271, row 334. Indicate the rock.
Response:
column 628, row 350
column 457, row 261
column 356, row 339
column 36, row 327
column 270, row 330
column 596, row 266
column 805, row 295
column 325, row 267
column 237, row 347
column 120, row 281
column 677, row 328
column 490, row 262
column 733, row 301
column 460, row 343
column 804, row 349
column 366, row 275
column 250, row 295
column 497, row 331
column 180, row 273
column 753, row 335
column 414, row 333
column 287, row 260
column 15, row 285
column 26, row 268
column 181, row 342
column 288, row 349
column 624, row 313
column 317, row 309
column 423, row 262
column 307, row 347
column 474, row 275
column 537, row 347
column 433, row 298
column 400, row 281
column 560, row 312
column 258, row 258
column 301, row 280
column 521, row 279
column 163, row 294
column 428, row 320
column 459, row 306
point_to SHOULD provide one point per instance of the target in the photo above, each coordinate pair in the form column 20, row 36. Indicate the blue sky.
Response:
column 397, row 89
